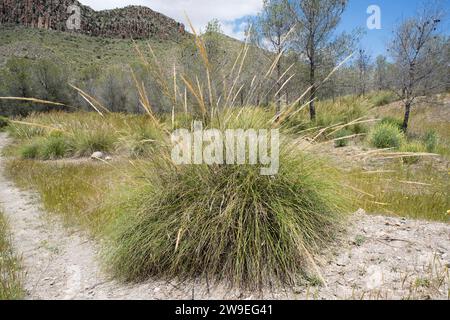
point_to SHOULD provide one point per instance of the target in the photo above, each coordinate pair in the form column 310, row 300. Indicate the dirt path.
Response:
column 379, row 257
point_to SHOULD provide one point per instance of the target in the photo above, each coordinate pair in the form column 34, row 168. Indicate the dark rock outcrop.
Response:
column 130, row 22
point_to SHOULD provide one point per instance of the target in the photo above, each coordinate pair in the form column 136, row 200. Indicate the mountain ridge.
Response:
column 137, row 22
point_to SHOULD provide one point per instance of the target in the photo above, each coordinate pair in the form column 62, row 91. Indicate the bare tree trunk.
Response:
column 278, row 97
column 312, row 80
column 406, row 119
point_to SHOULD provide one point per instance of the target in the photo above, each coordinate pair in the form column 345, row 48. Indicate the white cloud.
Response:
column 234, row 30
column 199, row 11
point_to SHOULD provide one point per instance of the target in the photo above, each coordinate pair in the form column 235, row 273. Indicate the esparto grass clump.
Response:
column 386, row 135
column 228, row 222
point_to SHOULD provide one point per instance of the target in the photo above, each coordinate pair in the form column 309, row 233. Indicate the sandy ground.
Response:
column 376, row 258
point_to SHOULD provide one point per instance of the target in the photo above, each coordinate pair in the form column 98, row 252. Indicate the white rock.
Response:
column 375, row 278
column 108, row 158
column 98, row 155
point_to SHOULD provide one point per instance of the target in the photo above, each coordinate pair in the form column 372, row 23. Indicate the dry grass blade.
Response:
column 196, row 94
column 91, row 100
column 36, row 125
column 34, row 100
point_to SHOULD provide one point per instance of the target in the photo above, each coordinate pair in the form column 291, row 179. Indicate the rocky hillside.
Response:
column 130, row 22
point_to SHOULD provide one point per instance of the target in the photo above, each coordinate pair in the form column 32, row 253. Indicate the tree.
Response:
column 114, row 89
column 19, row 81
column 51, row 80
column 316, row 22
column 363, row 65
column 213, row 39
column 381, row 72
column 417, row 52
column 19, row 78
column 273, row 27
column 194, row 65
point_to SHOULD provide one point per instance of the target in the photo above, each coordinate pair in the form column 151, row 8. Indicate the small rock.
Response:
column 98, row 155
column 375, row 279
column 108, row 158
column 297, row 290
column 342, row 261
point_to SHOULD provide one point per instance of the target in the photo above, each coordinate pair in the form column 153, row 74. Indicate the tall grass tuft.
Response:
column 412, row 147
column 30, row 150
column 55, row 147
column 90, row 141
column 392, row 121
column 431, row 141
column 382, row 98
column 228, row 222
column 341, row 140
column 386, row 135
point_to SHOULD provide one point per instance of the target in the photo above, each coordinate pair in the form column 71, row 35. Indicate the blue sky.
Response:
column 392, row 12
column 233, row 15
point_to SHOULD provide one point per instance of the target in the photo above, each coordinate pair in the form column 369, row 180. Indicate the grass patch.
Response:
column 412, row 147
column 49, row 148
column 386, row 135
column 79, row 193
column 88, row 142
column 431, row 141
column 413, row 192
column 30, row 150
column 55, row 148
column 342, row 141
column 382, row 98
column 395, row 122
column 60, row 135
column 10, row 270
column 332, row 112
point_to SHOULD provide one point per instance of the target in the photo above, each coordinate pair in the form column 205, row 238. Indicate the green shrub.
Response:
column 393, row 121
column 4, row 122
column 358, row 128
column 228, row 222
column 30, row 150
column 412, row 147
column 431, row 141
column 143, row 140
column 382, row 98
column 91, row 141
column 56, row 134
column 55, row 148
column 341, row 134
column 49, row 148
column 386, row 135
